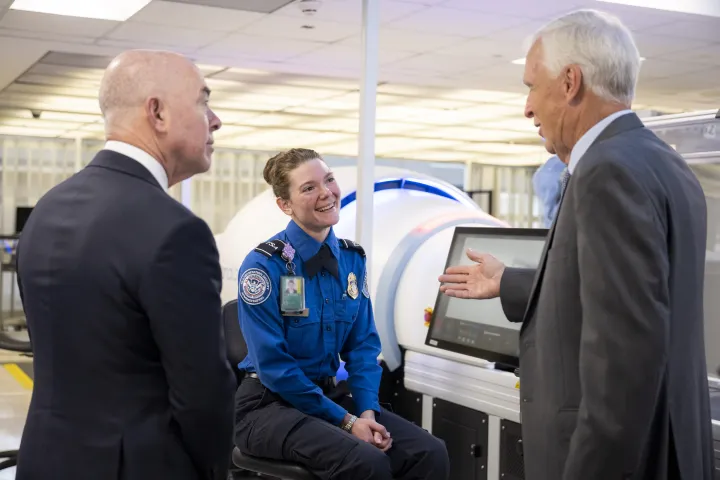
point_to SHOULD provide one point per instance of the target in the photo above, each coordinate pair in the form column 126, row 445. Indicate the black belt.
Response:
column 324, row 383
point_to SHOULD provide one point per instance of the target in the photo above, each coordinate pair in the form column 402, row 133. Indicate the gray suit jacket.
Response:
column 613, row 381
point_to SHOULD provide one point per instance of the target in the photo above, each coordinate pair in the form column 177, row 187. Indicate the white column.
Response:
column 366, row 139
column 78, row 153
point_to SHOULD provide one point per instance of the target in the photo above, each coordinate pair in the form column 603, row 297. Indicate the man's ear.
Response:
column 157, row 114
column 572, row 82
column 284, row 206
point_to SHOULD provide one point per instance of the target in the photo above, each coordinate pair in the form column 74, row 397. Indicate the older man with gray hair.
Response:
column 613, row 380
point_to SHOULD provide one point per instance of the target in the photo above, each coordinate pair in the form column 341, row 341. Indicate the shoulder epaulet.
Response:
column 270, row 247
column 352, row 246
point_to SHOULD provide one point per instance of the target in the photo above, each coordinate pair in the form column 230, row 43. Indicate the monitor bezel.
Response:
column 475, row 352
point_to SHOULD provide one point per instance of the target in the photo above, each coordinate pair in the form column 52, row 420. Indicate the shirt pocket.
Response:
column 304, row 337
column 346, row 314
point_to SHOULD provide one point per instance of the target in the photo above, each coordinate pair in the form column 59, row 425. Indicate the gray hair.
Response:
column 601, row 45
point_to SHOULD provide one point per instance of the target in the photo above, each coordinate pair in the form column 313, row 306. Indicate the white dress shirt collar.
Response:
column 589, row 137
column 143, row 158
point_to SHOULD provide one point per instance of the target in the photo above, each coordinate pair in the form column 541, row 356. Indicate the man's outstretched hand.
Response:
column 479, row 281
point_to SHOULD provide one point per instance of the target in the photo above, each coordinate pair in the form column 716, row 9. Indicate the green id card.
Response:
column 292, row 294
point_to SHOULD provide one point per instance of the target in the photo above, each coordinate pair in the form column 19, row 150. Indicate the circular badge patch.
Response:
column 255, row 286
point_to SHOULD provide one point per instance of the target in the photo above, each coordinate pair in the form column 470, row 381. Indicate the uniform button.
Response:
column 328, row 328
column 327, row 300
column 322, row 274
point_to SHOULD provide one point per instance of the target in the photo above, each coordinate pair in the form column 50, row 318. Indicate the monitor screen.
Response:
column 21, row 217
column 479, row 327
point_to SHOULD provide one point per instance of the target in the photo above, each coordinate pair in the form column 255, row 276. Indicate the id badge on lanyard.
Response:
column 292, row 294
column 292, row 288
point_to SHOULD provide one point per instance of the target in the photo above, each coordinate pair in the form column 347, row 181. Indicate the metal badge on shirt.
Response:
column 352, row 288
column 292, row 287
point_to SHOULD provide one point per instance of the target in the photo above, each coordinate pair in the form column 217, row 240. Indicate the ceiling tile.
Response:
column 49, row 37
column 640, row 19
column 698, row 80
column 708, row 55
column 408, row 40
column 698, row 28
column 261, row 6
column 64, row 59
column 57, row 24
column 41, row 90
column 650, row 45
column 267, row 49
column 420, row 2
column 50, row 102
column 163, row 35
column 504, row 77
column 173, row 14
column 451, row 21
column 307, row 29
column 350, row 11
column 139, row 43
column 508, row 44
column 441, row 63
column 655, row 68
column 348, row 57
column 522, row 8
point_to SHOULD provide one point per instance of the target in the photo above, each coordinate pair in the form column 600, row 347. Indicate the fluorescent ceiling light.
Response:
column 119, row 10
column 709, row 8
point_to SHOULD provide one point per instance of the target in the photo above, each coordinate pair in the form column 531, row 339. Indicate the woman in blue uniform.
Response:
column 304, row 303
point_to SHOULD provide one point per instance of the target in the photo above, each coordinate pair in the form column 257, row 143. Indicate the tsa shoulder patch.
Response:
column 255, row 286
column 351, row 245
column 365, row 288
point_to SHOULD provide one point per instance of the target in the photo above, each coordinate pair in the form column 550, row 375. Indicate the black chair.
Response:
column 236, row 352
column 14, row 345
column 8, row 459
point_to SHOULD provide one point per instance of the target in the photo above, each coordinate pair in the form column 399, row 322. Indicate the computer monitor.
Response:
column 21, row 217
column 479, row 328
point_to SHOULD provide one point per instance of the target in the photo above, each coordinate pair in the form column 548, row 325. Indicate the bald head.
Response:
column 158, row 101
column 134, row 76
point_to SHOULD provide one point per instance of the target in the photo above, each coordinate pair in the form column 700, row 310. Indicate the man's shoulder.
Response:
column 639, row 152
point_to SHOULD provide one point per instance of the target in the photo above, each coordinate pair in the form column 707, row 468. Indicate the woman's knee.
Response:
column 365, row 462
column 433, row 458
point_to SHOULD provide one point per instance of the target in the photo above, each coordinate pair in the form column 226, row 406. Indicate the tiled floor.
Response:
column 14, row 401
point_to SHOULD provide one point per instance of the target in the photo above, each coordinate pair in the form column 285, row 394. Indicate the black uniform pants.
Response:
column 267, row 426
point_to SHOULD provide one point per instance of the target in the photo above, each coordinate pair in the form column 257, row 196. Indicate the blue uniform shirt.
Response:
column 289, row 352
column 548, row 187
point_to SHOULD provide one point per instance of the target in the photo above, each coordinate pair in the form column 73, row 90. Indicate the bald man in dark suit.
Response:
column 121, row 288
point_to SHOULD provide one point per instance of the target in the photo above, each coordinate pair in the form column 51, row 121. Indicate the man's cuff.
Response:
column 366, row 400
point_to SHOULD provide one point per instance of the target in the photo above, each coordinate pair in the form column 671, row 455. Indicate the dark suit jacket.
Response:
column 613, row 381
column 121, row 287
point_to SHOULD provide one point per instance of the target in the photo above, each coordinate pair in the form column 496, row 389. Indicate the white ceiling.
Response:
column 448, row 88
